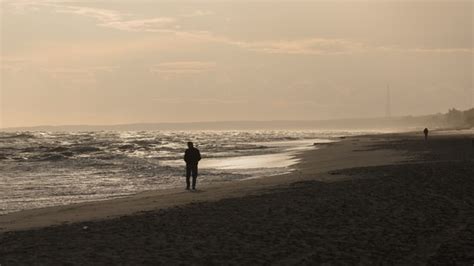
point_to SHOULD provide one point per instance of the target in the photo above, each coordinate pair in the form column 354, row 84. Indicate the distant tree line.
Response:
column 459, row 119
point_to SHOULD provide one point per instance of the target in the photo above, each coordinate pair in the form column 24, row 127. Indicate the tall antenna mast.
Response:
column 388, row 107
column 468, row 97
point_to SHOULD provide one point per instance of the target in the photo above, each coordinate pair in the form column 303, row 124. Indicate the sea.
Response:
column 41, row 169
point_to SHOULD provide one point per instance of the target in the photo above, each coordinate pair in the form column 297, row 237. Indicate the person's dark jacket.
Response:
column 192, row 156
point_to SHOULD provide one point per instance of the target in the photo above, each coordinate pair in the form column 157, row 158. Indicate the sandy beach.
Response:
column 380, row 199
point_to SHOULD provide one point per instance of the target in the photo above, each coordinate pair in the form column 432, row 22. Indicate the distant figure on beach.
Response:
column 426, row 133
column 192, row 156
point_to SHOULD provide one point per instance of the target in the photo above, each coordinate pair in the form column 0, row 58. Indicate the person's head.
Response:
column 190, row 144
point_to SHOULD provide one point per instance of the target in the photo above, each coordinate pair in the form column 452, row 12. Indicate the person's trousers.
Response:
column 191, row 170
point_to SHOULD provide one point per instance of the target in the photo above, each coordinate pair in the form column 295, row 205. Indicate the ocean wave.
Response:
column 18, row 135
column 59, row 149
column 51, row 157
column 65, row 166
column 85, row 149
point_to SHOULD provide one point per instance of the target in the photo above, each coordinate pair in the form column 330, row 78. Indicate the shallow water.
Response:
column 40, row 169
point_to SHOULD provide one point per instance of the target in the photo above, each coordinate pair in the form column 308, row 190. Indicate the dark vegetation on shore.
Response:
column 421, row 212
column 452, row 119
column 457, row 118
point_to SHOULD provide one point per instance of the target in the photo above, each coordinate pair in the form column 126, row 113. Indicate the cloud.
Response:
column 170, row 25
column 311, row 46
column 121, row 21
column 78, row 75
column 144, row 25
column 424, row 50
column 320, row 46
column 183, row 67
column 198, row 13
column 25, row 6
column 315, row 46
column 200, row 101
column 87, row 70
column 103, row 15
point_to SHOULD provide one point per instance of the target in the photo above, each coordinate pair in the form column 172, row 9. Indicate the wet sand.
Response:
column 314, row 165
column 386, row 199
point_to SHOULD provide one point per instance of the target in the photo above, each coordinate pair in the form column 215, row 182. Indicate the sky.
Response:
column 134, row 61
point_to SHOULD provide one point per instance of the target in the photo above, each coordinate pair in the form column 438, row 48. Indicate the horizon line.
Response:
column 212, row 122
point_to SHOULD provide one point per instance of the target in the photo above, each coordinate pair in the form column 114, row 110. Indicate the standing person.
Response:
column 192, row 156
column 426, row 133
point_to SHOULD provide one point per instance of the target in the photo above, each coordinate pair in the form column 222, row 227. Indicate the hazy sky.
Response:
column 110, row 62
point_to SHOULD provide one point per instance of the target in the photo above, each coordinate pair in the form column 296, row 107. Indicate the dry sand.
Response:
column 388, row 199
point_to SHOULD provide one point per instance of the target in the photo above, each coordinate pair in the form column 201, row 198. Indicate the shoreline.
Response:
column 313, row 165
column 114, row 173
column 391, row 199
